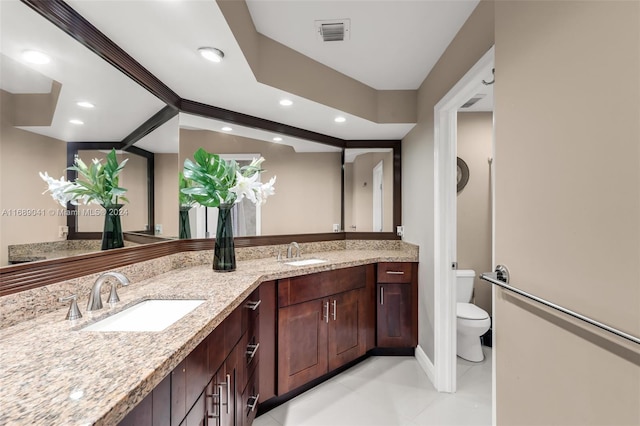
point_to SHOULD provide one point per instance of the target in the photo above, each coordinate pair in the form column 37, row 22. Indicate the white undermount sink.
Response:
column 305, row 262
column 148, row 315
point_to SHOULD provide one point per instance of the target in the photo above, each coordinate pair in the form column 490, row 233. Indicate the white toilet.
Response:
column 472, row 321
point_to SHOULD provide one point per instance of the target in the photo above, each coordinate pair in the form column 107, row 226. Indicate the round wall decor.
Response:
column 463, row 174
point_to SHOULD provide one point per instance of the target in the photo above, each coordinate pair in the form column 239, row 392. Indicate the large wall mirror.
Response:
column 41, row 113
column 316, row 192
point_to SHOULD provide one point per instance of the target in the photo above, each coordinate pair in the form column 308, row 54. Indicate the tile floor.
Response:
column 390, row 391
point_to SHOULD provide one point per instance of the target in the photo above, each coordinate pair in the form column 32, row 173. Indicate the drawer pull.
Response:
column 395, row 272
column 252, row 405
column 253, row 305
column 382, row 295
column 251, row 351
column 326, row 312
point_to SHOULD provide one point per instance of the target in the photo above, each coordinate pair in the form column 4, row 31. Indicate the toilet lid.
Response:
column 470, row 311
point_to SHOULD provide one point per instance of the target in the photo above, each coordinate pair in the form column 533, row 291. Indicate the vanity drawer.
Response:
column 249, row 402
column 304, row 288
column 395, row 272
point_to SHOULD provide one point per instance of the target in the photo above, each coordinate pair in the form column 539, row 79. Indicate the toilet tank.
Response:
column 464, row 285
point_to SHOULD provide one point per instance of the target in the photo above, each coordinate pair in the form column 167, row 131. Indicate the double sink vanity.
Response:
column 194, row 347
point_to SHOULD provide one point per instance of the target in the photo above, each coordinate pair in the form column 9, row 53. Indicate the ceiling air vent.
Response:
column 473, row 100
column 333, row 29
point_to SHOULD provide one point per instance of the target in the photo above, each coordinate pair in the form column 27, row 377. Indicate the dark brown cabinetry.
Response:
column 397, row 305
column 322, row 324
column 218, row 382
column 282, row 337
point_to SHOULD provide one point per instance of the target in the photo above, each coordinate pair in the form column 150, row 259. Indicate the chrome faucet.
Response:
column 95, row 300
column 290, row 251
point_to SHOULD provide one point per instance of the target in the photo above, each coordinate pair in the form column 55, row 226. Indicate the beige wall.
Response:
column 359, row 181
column 567, row 105
column 166, row 193
column 473, row 40
column 22, row 156
column 475, row 140
column 308, row 186
column 134, row 178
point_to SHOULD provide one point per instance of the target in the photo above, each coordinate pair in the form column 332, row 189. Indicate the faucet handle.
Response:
column 74, row 312
column 113, row 295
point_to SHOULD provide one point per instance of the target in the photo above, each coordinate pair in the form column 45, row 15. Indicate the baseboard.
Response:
column 392, row 352
column 425, row 363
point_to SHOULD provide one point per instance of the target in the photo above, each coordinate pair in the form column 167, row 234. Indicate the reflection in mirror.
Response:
column 163, row 143
column 308, row 186
column 368, row 190
column 134, row 213
column 37, row 104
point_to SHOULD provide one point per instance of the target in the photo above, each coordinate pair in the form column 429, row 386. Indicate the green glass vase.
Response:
column 224, row 255
column 183, row 223
column 112, row 233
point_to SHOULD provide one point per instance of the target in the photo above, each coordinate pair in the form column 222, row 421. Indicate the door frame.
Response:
column 378, row 195
column 445, row 172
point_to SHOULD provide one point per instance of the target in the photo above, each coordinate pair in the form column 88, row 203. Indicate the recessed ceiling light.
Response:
column 35, row 57
column 85, row 104
column 277, row 139
column 286, row 102
column 211, row 54
column 339, row 119
column 226, row 129
column 76, row 121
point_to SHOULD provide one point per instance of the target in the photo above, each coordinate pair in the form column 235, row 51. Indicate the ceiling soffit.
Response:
column 332, row 88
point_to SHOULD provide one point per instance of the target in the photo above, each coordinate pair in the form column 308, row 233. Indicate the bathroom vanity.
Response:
column 324, row 321
column 219, row 363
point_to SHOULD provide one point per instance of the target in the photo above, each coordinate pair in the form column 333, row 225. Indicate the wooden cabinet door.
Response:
column 346, row 328
column 179, row 393
column 225, row 390
column 302, row 344
column 395, row 315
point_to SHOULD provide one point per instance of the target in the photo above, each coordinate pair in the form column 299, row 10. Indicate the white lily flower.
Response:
column 58, row 188
column 246, row 187
column 256, row 162
column 267, row 190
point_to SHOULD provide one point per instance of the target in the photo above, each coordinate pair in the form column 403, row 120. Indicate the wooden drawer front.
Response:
column 249, row 402
column 248, row 355
column 396, row 272
column 250, row 309
column 315, row 286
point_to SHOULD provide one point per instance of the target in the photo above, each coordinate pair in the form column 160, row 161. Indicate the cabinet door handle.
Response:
column 253, row 305
column 326, row 312
column 335, row 309
column 382, row 295
column 252, row 405
column 228, row 385
column 208, row 414
column 251, row 351
column 395, row 272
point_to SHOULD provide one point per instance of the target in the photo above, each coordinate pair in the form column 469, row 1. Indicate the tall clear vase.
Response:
column 112, row 232
column 224, row 255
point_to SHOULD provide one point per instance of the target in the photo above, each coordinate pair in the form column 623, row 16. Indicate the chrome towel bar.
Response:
column 494, row 278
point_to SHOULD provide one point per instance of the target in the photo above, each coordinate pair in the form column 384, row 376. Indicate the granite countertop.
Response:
column 53, row 373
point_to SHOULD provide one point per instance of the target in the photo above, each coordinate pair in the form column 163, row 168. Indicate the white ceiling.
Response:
column 393, row 45
column 84, row 77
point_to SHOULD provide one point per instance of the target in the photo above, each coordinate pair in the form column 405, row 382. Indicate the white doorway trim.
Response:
column 378, row 197
column 445, row 172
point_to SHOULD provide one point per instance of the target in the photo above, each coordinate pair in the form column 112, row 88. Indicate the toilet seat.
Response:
column 470, row 311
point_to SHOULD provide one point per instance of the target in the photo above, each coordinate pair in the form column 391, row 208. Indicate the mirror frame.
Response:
column 72, row 218
column 25, row 276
